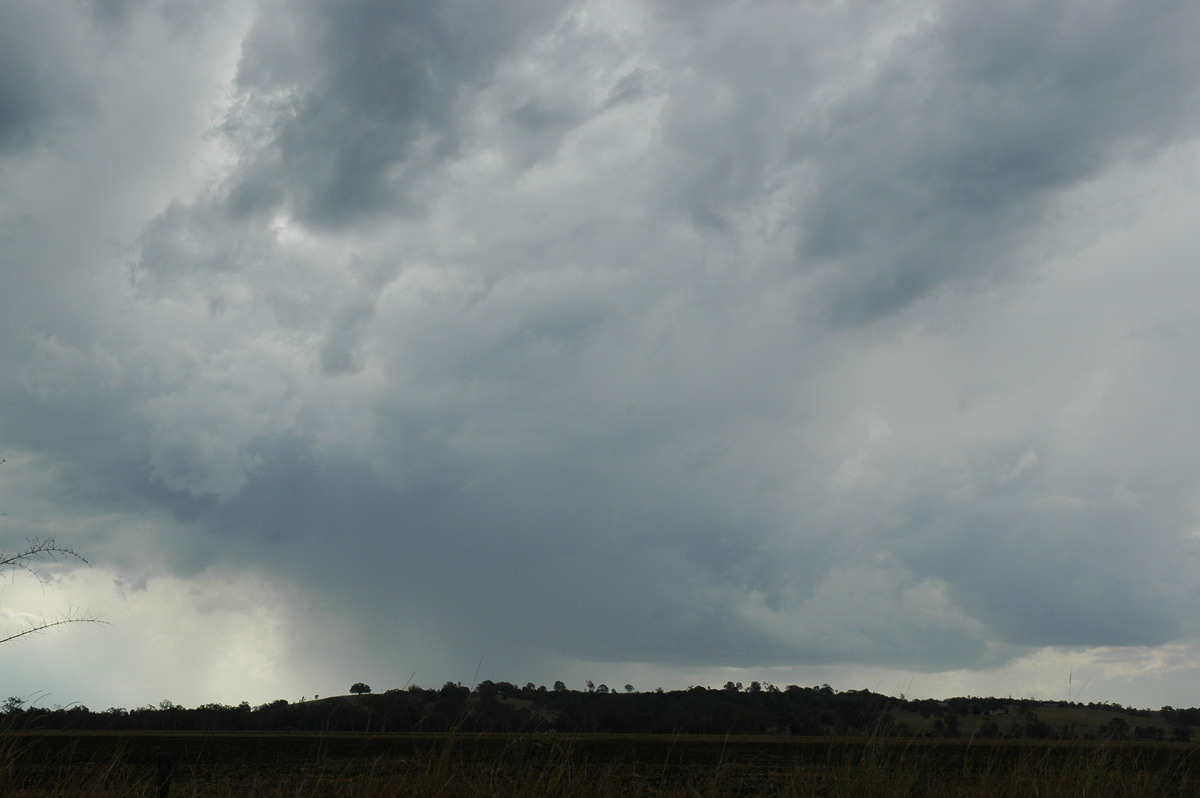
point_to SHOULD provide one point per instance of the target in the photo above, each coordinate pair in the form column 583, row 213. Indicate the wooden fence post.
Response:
column 164, row 774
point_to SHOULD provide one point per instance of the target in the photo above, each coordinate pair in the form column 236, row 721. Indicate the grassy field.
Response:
column 294, row 764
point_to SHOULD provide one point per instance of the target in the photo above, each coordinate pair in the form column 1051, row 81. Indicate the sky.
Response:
column 662, row 343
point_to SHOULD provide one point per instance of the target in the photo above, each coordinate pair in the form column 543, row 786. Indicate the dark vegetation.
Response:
column 225, row 764
column 501, row 707
column 498, row 739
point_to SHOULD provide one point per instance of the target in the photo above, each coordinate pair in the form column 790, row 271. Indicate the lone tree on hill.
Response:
column 24, row 560
column 358, row 688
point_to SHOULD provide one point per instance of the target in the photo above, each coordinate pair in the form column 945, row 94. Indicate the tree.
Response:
column 988, row 728
column 24, row 560
column 950, row 722
column 1115, row 729
column 358, row 688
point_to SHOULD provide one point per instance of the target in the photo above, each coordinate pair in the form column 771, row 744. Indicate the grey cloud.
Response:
column 507, row 572
column 115, row 13
column 1042, row 574
column 354, row 102
column 972, row 126
column 195, row 240
column 41, row 87
column 183, row 19
column 551, row 332
column 338, row 352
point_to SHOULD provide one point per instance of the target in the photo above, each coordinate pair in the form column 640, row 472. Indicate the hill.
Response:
column 761, row 709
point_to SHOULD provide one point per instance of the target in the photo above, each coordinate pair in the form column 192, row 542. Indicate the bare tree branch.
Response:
column 44, row 625
column 24, row 560
column 46, row 549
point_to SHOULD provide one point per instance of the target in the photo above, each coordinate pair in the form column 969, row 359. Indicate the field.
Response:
column 297, row 764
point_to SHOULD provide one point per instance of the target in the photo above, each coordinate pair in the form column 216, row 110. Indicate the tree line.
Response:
column 502, row 707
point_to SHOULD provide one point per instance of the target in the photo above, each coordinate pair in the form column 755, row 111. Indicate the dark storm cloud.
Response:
column 527, row 475
column 1053, row 571
column 932, row 172
column 933, row 162
column 41, row 89
column 456, row 555
column 115, row 13
column 345, row 105
column 690, row 334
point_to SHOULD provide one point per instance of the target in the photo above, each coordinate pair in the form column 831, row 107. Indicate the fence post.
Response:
column 164, row 774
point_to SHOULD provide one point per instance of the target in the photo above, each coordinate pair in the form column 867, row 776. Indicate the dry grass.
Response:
column 354, row 766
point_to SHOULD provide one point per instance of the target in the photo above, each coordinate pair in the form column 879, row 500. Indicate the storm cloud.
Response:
column 680, row 338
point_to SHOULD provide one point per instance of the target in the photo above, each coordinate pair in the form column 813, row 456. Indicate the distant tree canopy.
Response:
column 502, row 707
